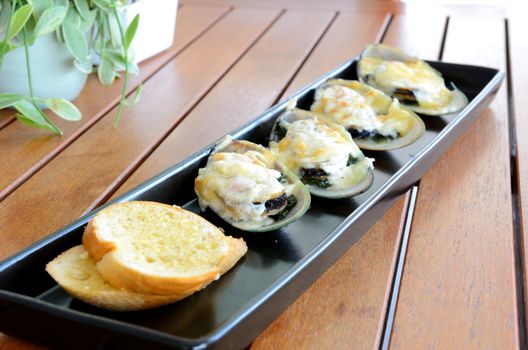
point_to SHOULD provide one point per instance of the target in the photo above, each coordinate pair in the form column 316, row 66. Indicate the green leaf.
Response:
column 106, row 71
column 75, row 40
column 64, row 109
column 4, row 16
column 84, row 66
column 115, row 33
column 73, row 17
column 58, row 34
column 104, row 5
column 25, row 120
column 29, row 110
column 131, row 32
column 119, row 61
column 83, row 8
column 39, row 6
column 87, row 24
column 135, row 98
column 4, row 49
column 30, row 30
column 19, row 20
column 64, row 3
column 50, row 20
column 7, row 100
column 33, row 116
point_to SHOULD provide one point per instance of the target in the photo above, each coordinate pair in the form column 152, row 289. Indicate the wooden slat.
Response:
column 26, row 150
column 458, row 287
column 10, row 343
column 80, row 176
column 6, row 117
column 519, row 75
column 246, row 91
column 364, row 328
column 345, row 308
column 339, row 46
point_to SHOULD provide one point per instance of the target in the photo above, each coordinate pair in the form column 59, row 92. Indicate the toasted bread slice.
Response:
column 75, row 271
column 154, row 248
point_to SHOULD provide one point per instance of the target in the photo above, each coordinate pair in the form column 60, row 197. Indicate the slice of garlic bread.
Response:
column 155, row 248
column 75, row 272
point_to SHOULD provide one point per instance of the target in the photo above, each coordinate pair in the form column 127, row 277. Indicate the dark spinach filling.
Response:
column 371, row 134
column 280, row 132
column 352, row 160
column 315, row 177
column 290, row 203
column 405, row 96
column 283, row 179
column 276, row 203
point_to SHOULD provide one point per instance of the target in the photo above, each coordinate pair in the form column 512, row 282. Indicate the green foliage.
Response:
column 89, row 28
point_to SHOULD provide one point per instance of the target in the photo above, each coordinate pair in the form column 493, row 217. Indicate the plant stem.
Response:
column 28, row 70
column 125, row 79
column 7, row 31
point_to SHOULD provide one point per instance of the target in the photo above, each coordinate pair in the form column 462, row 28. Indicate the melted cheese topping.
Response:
column 347, row 107
column 237, row 186
column 426, row 84
column 311, row 143
column 352, row 109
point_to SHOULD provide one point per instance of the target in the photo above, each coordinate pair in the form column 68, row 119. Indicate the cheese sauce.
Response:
column 238, row 185
column 352, row 110
column 427, row 86
column 312, row 144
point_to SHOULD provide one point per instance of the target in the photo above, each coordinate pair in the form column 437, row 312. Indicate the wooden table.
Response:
column 455, row 280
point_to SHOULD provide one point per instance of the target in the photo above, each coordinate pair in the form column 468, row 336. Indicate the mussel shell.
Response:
column 389, row 53
column 381, row 104
column 300, row 191
column 293, row 114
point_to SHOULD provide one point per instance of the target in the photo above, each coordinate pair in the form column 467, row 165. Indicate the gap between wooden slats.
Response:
column 80, row 175
column 517, row 49
column 27, row 150
column 458, row 287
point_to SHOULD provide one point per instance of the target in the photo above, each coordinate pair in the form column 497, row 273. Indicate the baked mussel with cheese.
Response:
column 373, row 119
column 246, row 186
column 322, row 153
column 414, row 82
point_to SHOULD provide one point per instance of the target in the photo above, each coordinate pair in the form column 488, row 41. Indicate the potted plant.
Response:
column 46, row 51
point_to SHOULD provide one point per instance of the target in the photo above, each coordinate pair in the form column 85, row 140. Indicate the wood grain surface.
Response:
column 28, row 149
column 344, row 40
column 80, row 177
column 519, row 80
column 247, row 90
column 345, row 308
column 458, row 286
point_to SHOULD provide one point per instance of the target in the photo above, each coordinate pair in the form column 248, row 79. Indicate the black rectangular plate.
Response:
column 278, row 267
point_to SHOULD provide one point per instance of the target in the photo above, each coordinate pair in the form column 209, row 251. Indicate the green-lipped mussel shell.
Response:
column 293, row 114
column 381, row 104
column 458, row 98
column 300, row 191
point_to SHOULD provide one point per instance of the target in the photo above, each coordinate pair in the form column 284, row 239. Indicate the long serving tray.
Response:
column 277, row 268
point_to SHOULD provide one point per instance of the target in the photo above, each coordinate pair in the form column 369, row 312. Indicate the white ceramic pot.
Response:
column 157, row 20
column 52, row 71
